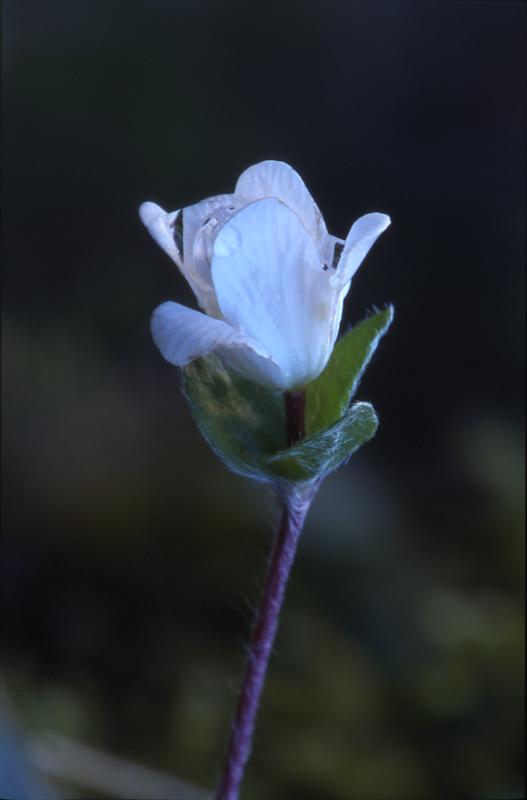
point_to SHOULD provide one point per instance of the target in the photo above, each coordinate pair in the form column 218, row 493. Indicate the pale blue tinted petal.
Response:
column 195, row 217
column 176, row 232
column 183, row 334
column 160, row 226
column 363, row 234
column 270, row 283
column 200, row 224
column 278, row 179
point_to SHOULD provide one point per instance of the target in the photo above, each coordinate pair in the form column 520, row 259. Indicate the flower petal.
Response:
column 278, row 179
column 176, row 232
column 200, row 224
column 363, row 234
column 160, row 226
column 183, row 334
column 270, row 283
column 194, row 218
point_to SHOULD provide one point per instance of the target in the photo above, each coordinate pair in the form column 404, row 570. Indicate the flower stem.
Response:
column 296, row 502
column 295, row 415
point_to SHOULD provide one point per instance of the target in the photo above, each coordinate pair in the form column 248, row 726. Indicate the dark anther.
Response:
column 336, row 254
column 178, row 233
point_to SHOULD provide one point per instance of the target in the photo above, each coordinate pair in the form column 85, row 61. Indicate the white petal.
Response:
column 363, row 234
column 176, row 233
column 194, row 218
column 182, row 335
column 278, row 179
column 160, row 226
column 270, row 283
column 200, row 224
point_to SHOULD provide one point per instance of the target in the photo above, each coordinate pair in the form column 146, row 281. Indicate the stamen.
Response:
column 178, row 233
column 336, row 255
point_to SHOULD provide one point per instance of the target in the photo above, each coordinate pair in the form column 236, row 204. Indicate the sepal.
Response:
column 328, row 396
column 244, row 423
column 313, row 458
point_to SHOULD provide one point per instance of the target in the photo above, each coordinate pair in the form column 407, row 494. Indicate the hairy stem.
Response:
column 295, row 505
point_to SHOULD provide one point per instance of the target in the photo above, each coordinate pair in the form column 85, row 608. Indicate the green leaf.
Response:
column 329, row 395
column 243, row 422
column 317, row 455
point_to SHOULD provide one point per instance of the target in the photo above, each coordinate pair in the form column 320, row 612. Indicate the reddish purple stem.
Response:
column 295, row 416
column 296, row 502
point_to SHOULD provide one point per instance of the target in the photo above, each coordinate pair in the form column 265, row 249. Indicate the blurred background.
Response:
column 132, row 558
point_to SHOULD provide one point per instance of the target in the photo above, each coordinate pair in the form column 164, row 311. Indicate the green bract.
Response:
column 245, row 425
column 329, row 395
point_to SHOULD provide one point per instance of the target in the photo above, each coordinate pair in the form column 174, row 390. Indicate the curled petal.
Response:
column 177, row 231
column 363, row 234
column 160, row 226
column 183, row 335
column 201, row 223
column 278, row 179
column 205, row 214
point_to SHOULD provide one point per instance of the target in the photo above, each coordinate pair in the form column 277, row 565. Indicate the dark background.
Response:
column 132, row 558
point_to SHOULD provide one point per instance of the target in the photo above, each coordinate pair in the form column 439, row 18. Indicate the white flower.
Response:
column 265, row 271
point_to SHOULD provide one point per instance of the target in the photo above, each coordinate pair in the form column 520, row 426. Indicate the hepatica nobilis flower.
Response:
column 269, row 277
